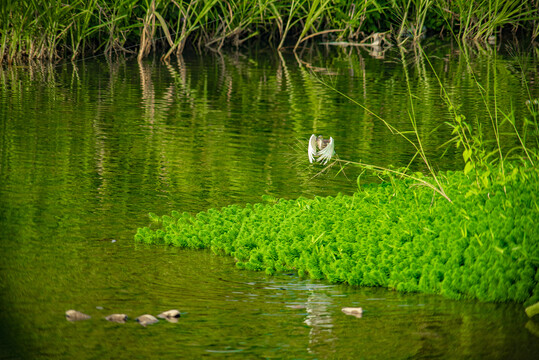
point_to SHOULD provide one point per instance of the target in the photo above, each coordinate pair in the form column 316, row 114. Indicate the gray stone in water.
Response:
column 297, row 306
column 117, row 318
column 74, row 315
column 170, row 315
column 146, row 319
column 357, row 312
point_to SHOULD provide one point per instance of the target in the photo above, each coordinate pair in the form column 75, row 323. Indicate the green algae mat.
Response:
column 398, row 235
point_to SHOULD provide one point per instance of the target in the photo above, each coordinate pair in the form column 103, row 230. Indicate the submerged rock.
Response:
column 353, row 311
column 297, row 306
column 74, row 315
column 170, row 315
column 117, row 318
column 146, row 319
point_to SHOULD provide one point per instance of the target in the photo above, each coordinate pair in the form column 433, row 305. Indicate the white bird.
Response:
column 320, row 148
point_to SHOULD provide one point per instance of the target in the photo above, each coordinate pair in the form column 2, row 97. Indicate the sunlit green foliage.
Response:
column 480, row 18
column 33, row 29
column 394, row 235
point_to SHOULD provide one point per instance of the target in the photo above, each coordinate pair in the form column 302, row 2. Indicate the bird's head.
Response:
column 321, row 142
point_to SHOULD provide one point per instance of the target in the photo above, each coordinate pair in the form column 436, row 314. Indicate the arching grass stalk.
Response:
column 532, row 103
column 411, row 113
column 385, row 171
column 291, row 20
column 235, row 18
column 510, row 118
column 437, row 187
column 314, row 14
column 193, row 16
column 461, row 129
column 411, row 26
column 148, row 30
column 355, row 15
column 401, row 13
column 422, row 8
column 493, row 119
column 476, row 155
column 118, row 18
column 84, row 24
column 477, row 20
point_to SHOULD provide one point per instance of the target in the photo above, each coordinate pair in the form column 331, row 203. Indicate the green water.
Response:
column 88, row 149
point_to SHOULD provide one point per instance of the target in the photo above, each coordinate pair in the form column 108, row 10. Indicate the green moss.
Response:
column 484, row 246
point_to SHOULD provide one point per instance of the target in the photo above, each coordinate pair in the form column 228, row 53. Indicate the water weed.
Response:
column 391, row 235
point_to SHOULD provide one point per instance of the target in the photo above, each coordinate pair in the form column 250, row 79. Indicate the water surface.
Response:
column 88, row 149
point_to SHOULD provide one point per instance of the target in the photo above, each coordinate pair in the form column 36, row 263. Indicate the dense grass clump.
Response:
column 55, row 29
column 397, row 235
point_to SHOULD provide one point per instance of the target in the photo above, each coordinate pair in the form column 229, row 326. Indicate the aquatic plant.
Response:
column 54, row 29
column 393, row 235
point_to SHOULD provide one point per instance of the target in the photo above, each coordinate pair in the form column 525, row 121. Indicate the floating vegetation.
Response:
column 398, row 235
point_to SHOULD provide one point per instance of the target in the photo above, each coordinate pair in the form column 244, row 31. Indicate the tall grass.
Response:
column 52, row 29
column 514, row 139
column 485, row 159
column 32, row 29
column 481, row 19
column 413, row 137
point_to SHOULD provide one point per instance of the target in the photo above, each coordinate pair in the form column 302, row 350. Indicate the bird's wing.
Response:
column 312, row 148
column 326, row 153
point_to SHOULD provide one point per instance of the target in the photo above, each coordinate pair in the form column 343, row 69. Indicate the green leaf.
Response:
column 484, row 180
column 466, row 154
column 154, row 217
column 469, row 167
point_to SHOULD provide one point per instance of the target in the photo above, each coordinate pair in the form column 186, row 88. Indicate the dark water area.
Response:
column 88, row 149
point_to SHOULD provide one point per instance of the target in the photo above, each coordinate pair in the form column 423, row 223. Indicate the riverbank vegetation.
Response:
column 80, row 28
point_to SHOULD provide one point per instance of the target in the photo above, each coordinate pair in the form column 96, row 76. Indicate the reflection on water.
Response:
column 88, row 149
